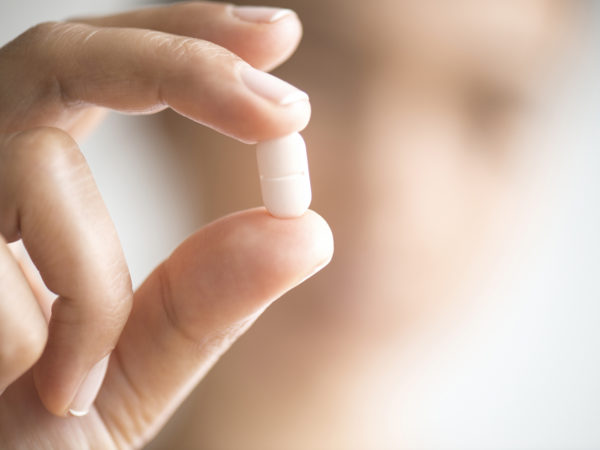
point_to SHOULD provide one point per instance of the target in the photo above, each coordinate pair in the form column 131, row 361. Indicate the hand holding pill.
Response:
column 86, row 362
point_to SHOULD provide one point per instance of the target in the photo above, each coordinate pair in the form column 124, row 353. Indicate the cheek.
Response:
column 421, row 185
column 429, row 205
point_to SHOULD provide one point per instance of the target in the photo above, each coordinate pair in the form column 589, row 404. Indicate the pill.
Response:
column 284, row 180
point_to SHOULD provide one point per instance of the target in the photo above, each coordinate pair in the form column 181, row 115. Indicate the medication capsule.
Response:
column 284, row 180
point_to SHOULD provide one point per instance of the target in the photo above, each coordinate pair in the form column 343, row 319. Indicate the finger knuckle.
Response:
column 46, row 32
column 26, row 46
column 22, row 350
column 169, row 306
column 43, row 46
column 120, row 293
column 46, row 151
column 33, row 345
column 111, row 301
column 38, row 39
column 40, row 32
column 187, row 48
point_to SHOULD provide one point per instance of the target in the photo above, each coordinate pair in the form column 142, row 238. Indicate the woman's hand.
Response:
column 155, row 344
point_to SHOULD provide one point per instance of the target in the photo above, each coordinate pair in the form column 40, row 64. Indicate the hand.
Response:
column 152, row 346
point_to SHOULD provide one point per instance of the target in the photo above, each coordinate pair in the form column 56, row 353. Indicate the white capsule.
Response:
column 284, row 180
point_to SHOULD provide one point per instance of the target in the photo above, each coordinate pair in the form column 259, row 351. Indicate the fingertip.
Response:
column 258, row 120
column 273, row 107
column 249, row 252
column 297, row 248
column 269, row 36
column 322, row 235
column 234, row 98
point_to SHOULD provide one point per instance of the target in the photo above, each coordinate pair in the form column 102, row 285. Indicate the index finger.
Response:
column 141, row 71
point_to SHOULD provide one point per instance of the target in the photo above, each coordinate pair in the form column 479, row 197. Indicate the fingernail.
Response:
column 270, row 87
column 260, row 14
column 89, row 388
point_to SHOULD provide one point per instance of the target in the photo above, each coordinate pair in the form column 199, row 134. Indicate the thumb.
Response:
column 195, row 304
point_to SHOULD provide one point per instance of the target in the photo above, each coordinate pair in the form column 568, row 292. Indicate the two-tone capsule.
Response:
column 284, row 179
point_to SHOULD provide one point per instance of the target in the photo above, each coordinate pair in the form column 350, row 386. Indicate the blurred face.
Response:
column 421, row 117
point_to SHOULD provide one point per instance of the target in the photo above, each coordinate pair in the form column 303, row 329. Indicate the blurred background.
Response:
column 455, row 151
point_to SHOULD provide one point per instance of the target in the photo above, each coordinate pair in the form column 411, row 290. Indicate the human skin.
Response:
column 420, row 117
column 164, row 337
